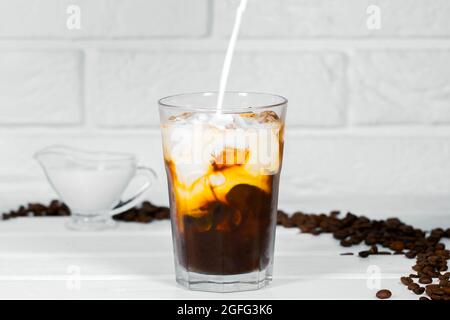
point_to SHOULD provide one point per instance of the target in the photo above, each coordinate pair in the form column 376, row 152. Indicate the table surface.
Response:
column 40, row 258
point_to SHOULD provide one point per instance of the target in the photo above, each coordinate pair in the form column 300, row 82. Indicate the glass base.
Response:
column 90, row 223
column 220, row 283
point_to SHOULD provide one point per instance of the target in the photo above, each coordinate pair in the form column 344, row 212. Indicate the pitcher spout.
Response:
column 47, row 154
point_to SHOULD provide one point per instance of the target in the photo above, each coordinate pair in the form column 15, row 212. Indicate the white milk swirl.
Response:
column 229, row 55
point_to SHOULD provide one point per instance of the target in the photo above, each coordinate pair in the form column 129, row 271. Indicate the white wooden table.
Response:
column 40, row 258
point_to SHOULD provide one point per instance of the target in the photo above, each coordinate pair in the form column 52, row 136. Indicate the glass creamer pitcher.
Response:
column 91, row 183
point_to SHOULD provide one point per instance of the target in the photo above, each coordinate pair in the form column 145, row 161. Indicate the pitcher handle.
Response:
column 150, row 176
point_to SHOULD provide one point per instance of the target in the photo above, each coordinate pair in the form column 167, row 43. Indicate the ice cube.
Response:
column 267, row 117
column 221, row 121
column 181, row 118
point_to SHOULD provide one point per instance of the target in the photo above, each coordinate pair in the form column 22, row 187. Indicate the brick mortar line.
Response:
column 208, row 45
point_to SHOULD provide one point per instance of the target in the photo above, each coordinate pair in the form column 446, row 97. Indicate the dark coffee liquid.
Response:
column 224, row 214
column 232, row 237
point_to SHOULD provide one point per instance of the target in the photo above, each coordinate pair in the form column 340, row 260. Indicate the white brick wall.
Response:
column 140, row 78
column 40, row 87
column 104, row 18
column 332, row 18
column 369, row 110
column 400, row 87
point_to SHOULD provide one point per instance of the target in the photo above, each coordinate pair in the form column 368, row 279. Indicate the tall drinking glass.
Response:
column 223, row 169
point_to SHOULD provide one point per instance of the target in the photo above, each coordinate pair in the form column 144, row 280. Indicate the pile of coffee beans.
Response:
column 393, row 235
column 145, row 213
column 429, row 277
column 55, row 208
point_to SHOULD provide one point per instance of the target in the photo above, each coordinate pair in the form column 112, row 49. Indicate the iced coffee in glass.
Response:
column 223, row 170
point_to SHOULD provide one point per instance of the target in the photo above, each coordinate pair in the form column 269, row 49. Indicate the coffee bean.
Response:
column 424, row 298
column 433, row 286
column 425, row 280
column 142, row 218
column 419, row 290
column 356, row 240
column 38, row 209
column 397, row 246
column 413, row 286
column 335, row 213
column 406, row 280
column 149, row 208
column 341, row 234
column 444, row 283
column 162, row 214
column 346, row 243
column 384, row 294
column 363, row 254
column 347, row 254
column 281, row 216
column 417, row 267
column 439, row 291
column 447, row 233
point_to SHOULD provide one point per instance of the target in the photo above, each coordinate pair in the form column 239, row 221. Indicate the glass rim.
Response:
column 282, row 101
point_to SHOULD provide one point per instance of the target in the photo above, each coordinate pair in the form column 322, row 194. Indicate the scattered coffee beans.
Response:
column 55, row 208
column 146, row 213
column 392, row 234
column 430, row 254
